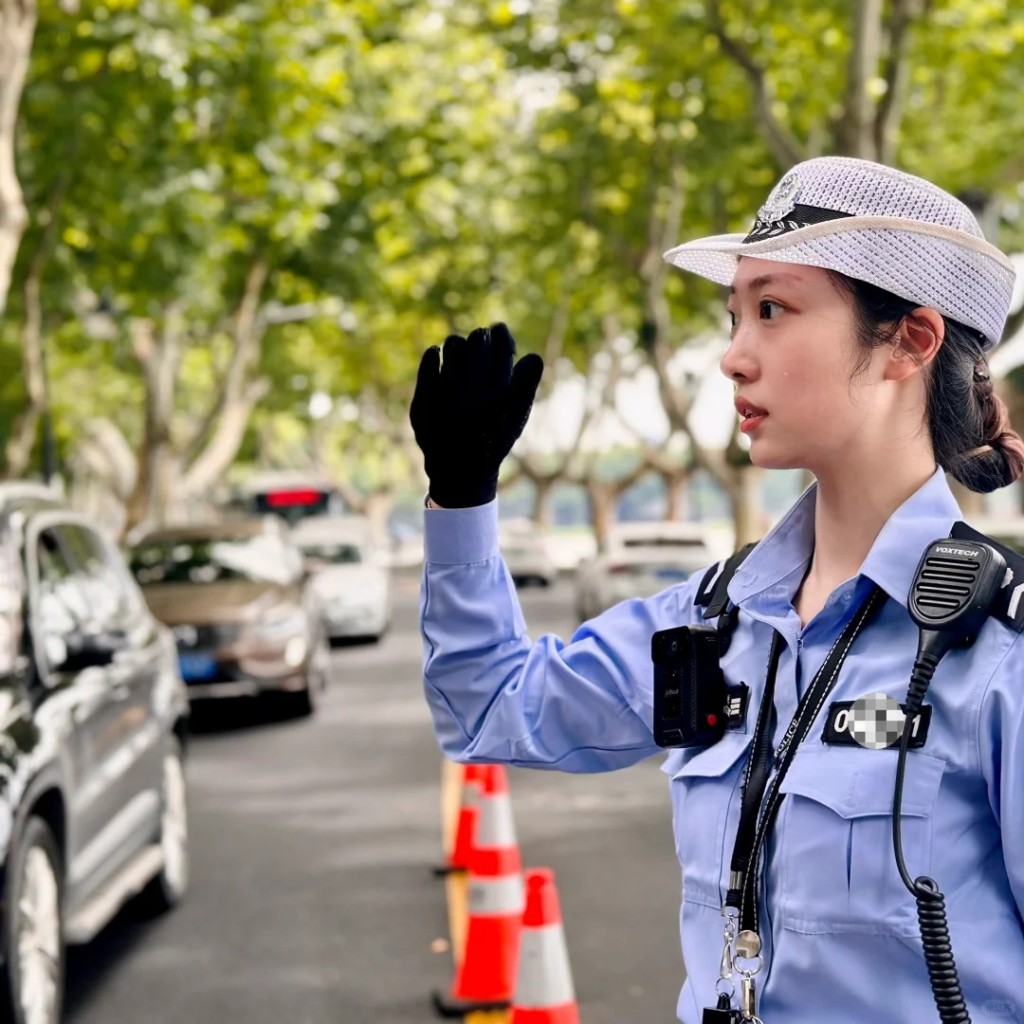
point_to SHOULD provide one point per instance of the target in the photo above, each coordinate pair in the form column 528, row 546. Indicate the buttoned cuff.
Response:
column 453, row 536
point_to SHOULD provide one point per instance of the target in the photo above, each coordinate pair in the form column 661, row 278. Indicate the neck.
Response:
column 850, row 510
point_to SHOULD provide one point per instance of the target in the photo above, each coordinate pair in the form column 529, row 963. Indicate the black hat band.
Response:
column 798, row 217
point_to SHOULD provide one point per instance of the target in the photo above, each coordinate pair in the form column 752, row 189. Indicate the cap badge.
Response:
column 782, row 200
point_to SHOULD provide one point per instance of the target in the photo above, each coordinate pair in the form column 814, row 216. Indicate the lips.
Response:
column 748, row 410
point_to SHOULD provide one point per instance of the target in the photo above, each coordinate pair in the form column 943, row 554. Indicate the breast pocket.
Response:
column 705, row 810
column 839, row 870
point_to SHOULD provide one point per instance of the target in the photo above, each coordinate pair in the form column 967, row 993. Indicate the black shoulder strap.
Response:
column 713, row 592
column 1008, row 606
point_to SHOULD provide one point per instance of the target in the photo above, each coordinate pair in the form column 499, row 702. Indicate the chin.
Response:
column 769, row 457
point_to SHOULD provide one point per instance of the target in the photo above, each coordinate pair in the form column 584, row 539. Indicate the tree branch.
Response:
column 855, row 129
column 897, row 77
column 783, row 144
column 17, row 30
column 555, row 341
column 18, row 451
column 270, row 315
column 221, row 426
column 106, row 453
column 159, row 357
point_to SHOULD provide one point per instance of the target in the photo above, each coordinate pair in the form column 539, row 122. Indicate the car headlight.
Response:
column 280, row 624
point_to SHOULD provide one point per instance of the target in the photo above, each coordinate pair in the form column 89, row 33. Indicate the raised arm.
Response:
column 495, row 695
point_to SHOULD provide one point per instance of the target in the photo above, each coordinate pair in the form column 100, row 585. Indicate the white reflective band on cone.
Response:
column 495, row 826
column 496, row 897
column 544, row 978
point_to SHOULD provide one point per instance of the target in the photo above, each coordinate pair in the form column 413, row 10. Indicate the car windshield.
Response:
column 333, row 554
column 210, row 560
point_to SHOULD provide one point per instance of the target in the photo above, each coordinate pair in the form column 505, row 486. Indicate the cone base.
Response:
column 444, row 870
column 455, row 1008
column 569, row 1013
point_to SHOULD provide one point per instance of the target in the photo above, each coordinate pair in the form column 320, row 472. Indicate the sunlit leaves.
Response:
column 431, row 165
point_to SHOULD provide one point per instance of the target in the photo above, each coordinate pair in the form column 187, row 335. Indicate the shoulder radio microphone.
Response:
column 951, row 597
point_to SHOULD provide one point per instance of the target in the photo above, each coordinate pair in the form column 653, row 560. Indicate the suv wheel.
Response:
column 32, row 979
column 171, row 883
column 303, row 702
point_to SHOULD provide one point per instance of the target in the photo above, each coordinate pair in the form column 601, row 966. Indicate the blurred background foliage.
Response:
column 245, row 220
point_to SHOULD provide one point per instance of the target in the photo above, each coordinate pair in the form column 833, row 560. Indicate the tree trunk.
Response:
column 17, row 30
column 240, row 393
column 748, row 519
column 971, row 502
column 159, row 358
column 603, row 499
column 33, row 345
column 675, row 494
column 103, row 453
column 18, row 452
column 857, row 131
column 377, row 509
column 543, row 502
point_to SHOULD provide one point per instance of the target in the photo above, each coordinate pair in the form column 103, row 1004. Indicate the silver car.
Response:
column 641, row 559
column 526, row 554
column 348, row 574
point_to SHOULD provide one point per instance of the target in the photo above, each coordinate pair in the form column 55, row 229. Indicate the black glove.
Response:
column 468, row 411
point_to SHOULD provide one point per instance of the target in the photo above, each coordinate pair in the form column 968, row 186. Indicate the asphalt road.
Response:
column 312, row 899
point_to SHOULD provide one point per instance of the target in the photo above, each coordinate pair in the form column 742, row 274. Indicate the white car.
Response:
column 526, row 553
column 348, row 574
column 1008, row 531
column 641, row 559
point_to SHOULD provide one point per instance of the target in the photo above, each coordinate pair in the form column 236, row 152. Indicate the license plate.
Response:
column 197, row 666
column 669, row 573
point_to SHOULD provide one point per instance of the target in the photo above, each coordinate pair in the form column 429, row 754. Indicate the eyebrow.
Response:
column 756, row 283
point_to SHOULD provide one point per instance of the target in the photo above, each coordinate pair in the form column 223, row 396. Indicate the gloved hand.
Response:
column 468, row 410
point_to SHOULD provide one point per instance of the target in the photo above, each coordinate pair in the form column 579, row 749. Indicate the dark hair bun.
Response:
column 999, row 460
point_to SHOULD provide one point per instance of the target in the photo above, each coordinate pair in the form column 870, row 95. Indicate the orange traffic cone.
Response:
column 544, row 990
column 457, row 880
column 451, row 797
column 462, row 839
column 485, row 978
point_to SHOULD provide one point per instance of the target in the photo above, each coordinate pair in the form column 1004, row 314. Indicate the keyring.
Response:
column 746, row 971
column 725, row 987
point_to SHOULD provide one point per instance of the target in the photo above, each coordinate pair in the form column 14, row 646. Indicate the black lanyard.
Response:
column 761, row 797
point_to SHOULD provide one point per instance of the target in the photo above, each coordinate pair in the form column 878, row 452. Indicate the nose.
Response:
column 738, row 363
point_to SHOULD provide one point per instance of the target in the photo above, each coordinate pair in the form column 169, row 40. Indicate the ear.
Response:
column 916, row 344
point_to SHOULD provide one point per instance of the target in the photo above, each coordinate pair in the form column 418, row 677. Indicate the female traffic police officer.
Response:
column 862, row 302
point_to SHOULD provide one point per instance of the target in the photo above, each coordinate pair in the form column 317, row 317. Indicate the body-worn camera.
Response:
column 692, row 704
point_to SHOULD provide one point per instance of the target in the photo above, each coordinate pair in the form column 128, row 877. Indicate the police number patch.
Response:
column 874, row 721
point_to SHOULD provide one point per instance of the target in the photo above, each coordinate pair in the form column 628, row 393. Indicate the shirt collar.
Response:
column 927, row 515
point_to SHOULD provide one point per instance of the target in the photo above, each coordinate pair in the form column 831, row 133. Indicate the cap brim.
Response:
column 868, row 249
column 714, row 257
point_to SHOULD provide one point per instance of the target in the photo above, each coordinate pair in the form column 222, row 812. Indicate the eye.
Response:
column 733, row 321
column 768, row 310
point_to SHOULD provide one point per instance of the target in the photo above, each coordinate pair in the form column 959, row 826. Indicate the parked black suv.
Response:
column 93, row 716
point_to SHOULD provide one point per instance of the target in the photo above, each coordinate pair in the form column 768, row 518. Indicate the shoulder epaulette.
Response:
column 1008, row 606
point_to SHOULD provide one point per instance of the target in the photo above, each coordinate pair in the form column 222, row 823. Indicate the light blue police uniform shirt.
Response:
column 842, row 942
